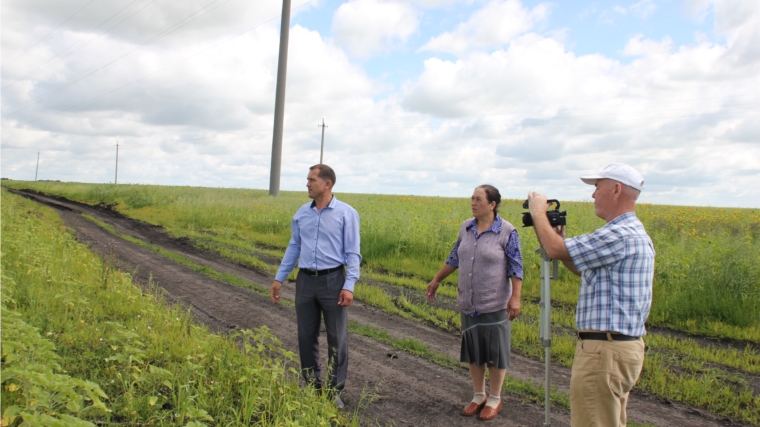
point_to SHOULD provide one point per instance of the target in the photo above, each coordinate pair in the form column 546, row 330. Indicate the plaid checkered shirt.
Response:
column 617, row 268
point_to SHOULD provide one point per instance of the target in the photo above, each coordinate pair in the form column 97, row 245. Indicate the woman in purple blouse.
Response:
column 487, row 255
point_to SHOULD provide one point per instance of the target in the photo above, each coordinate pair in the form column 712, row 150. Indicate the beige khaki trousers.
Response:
column 603, row 374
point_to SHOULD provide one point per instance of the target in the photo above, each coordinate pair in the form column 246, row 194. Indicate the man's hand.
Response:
column 274, row 292
column 346, row 298
column 537, row 204
column 550, row 238
column 432, row 287
column 540, row 202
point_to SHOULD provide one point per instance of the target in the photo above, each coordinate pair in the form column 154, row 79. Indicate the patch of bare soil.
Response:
column 383, row 390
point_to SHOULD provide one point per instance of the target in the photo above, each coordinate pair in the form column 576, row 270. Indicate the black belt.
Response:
column 321, row 272
column 605, row 336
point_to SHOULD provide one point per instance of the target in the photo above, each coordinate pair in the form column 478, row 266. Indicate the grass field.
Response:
column 707, row 279
column 83, row 346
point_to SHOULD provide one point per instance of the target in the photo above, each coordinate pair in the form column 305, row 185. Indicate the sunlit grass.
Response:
column 707, row 278
column 706, row 267
column 73, row 325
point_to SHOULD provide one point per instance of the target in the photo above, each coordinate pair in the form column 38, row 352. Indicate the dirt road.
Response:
column 385, row 386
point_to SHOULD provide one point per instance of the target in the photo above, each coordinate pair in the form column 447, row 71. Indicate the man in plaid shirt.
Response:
column 616, row 265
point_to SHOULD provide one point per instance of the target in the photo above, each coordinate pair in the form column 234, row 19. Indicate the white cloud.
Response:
column 369, row 27
column 437, row 3
column 739, row 22
column 697, row 9
column 685, row 116
column 195, row 118
column 643, row 9
column 638, row 47
column 535, row 75
column 520, row 110
column 494, row 25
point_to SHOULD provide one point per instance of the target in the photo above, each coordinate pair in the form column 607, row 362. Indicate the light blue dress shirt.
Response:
column 324, row 239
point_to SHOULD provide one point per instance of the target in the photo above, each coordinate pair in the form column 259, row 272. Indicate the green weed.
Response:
column 82, row 345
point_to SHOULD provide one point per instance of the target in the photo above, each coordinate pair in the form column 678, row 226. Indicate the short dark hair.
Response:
column 492, row 195
column 325, row 172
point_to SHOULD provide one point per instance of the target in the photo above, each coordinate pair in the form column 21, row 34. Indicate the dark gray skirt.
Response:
column 486, row 339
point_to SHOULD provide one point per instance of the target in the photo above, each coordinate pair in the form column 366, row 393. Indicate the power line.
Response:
column 551, row 121
column 245, row 138
column 169, row 30
column 522, row 112
column 40, row 40
column 158, row 71
column 387, row 123
column 555, row 118
column 51, row 60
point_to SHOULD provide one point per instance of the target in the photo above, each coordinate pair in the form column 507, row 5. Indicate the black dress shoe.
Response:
column 339, row 402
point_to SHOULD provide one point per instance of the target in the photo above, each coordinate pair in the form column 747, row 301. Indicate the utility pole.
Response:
column 116, row 177
column 38, row 166
column 279, row 103
column 322, row 150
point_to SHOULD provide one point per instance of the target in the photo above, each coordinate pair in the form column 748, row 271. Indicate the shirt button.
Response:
column 470, row 274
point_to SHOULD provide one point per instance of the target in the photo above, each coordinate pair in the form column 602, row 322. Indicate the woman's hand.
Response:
column 513, row 307
column 432, row 287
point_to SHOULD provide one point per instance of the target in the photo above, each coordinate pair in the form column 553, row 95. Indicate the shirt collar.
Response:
column 623, row 218
column 329, row 205
column 495, row 227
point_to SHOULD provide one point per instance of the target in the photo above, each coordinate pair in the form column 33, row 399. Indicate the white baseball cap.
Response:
column 619, row 172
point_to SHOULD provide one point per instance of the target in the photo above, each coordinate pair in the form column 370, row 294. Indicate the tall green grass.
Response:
column 675, row 369
column 82, row 345
column 695, row 247
column 707, row 271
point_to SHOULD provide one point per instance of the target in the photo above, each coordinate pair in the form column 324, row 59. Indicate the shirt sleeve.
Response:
column 514, row 256
column 352, row 248
column 292, row 252
column 603, row 247
column 453, row 259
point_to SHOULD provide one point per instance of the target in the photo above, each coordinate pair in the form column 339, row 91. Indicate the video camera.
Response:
column 556, row 217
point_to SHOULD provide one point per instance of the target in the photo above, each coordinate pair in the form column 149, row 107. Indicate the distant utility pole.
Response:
column 38, row 166
column 322, row 150
column 279, row 103
column 116, row 177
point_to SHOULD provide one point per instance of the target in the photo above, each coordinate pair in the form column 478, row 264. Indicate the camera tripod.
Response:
column 549, row 271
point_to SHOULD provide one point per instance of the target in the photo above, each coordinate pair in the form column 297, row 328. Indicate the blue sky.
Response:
column 429, row 97
column 588, row 28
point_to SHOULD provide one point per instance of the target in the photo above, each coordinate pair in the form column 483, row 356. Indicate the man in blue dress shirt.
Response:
column 325, row 245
